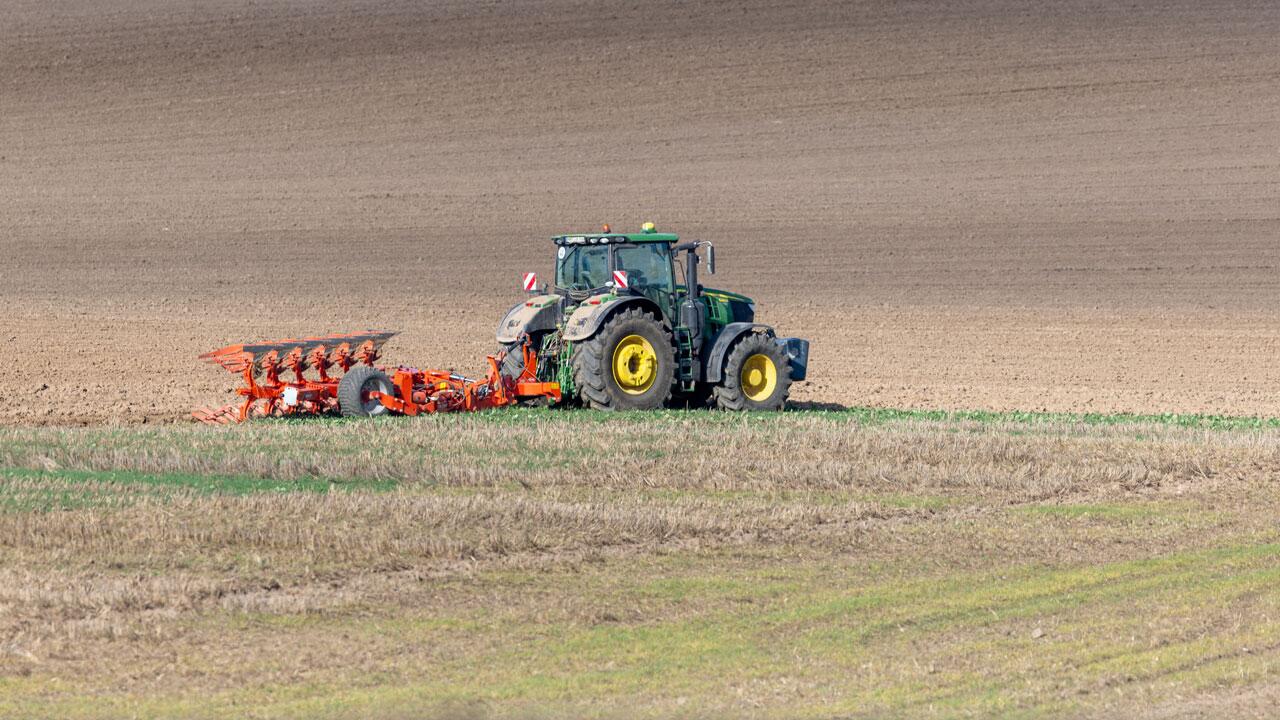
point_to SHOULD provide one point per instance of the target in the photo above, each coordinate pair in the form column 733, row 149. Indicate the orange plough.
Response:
column 338, row 374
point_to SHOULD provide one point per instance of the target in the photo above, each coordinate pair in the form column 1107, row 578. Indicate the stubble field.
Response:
column 1058, row 216
column 551, row 564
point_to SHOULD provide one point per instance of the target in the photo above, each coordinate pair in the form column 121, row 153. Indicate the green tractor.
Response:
column 619, row 331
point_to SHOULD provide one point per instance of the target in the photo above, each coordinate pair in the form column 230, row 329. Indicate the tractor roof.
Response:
column 605, row 238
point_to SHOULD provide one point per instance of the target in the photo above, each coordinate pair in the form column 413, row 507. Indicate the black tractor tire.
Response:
column 731, row 394
column 593, row 360
column 354, row 389
column 512, row 366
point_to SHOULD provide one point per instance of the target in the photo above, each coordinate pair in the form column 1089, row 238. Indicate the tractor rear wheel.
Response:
column 354, row 389
column 757, row 375
column 512, row 366
column 627, row 365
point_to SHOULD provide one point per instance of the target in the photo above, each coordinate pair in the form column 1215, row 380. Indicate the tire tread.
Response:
column 350, row 387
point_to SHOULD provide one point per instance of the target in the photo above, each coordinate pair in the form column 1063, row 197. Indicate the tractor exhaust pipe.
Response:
column 691, row 307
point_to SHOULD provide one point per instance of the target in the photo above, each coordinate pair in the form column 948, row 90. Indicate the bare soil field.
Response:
column 987, row 204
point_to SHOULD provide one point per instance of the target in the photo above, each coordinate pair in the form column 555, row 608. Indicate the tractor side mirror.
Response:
column 711, row 259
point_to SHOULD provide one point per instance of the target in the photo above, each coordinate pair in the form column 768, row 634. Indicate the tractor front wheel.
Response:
column 627, row 365
column 354, row 389
column 757, row 376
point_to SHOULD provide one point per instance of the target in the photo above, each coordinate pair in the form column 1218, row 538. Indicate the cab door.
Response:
column 649, row 272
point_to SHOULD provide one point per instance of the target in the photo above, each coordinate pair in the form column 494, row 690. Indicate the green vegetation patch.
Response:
column 591, row 420
column 876, row 416
column 1103, row 511
column 26, row 490
column 863, row 415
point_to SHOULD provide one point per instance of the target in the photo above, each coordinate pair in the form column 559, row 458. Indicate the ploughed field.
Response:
column 975, row 204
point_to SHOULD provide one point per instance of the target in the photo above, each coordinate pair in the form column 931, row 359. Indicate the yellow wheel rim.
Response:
column 759, row 377
column 635, row 365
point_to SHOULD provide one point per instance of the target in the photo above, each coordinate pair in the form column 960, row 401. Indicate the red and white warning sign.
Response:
column 620, row 279
column 530, row 281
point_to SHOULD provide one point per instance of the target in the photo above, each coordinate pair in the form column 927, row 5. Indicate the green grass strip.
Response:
column 862, row 415
column 64, row 489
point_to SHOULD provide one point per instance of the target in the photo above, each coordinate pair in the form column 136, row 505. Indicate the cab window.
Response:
column 582, row 267
column 648, row 268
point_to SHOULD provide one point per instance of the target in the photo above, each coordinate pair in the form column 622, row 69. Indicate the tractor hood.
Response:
column 726, row 295
column 724, row 307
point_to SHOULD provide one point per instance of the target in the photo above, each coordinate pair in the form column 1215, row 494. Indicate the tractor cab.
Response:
column 619, row 264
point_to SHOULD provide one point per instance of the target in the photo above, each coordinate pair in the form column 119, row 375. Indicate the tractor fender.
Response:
column 587, row 319
column 797, row 350
column 541, row 312
column 713, row 359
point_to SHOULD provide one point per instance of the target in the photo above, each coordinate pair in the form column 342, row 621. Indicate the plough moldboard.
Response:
column 338, row 374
